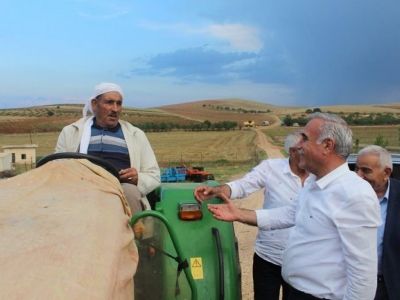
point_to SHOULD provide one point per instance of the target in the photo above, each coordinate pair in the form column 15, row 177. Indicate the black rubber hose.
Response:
column 215, row 231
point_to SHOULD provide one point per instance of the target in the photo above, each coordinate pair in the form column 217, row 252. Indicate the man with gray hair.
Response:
column 374, row 164
column 104, row 135
column 282, row 179
column 331, row 250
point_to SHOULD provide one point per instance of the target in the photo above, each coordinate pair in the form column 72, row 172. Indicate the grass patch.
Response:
column 227, row 173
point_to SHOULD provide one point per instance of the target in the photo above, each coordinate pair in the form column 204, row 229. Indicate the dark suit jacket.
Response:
column 391, row 242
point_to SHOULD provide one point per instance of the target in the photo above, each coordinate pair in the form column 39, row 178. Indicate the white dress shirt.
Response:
column 281, row 188
column 331, row 251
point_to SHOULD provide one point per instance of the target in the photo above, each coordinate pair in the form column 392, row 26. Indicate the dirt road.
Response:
column 247, row 234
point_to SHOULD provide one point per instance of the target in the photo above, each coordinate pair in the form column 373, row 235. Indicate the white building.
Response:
column 22, row 153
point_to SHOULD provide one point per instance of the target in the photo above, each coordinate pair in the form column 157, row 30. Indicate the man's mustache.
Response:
column 112, row 114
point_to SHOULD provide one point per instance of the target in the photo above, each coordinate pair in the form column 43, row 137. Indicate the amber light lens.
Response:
column 190, row 211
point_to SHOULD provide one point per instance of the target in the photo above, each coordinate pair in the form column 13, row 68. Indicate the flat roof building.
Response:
column 22, row 153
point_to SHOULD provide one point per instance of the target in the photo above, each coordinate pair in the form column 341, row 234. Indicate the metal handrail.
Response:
column 179, row 251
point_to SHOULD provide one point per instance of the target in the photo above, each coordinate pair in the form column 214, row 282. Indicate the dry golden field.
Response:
column 222, row 153
column 54, row 117
column 185, row 146
column 170, row 147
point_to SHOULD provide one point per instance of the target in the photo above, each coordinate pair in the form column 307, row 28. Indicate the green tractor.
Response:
column 183, row 252
column 189, row 254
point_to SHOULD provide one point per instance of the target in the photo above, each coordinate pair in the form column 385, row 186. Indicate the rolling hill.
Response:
column 54, row 117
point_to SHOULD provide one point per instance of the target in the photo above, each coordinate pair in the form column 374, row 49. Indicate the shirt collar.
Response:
column 387, row 192
column 286, row 167
column 328, row 178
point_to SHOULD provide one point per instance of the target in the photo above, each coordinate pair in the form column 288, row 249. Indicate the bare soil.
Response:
column 246, row 234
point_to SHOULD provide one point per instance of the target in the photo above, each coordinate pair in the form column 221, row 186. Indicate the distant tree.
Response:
column 357, row 144
column 218, row 126
column 309, row 111
column 317, row 110
column 208, row 124
column 288, row 120
column 163, row 126
column 380, row 142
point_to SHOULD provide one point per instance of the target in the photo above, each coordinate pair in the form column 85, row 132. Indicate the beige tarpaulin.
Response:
column 65, row 234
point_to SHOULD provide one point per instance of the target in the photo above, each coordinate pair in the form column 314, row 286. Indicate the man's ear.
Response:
column 329, row 144
column 292, row 151
column 94, row 104
column 387, row 172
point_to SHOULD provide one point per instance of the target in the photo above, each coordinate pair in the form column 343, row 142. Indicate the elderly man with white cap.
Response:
column 106, row 136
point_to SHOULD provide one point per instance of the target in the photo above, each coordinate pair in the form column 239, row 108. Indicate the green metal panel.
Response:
column 199, row 244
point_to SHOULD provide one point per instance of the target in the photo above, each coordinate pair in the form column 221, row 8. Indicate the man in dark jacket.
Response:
column 374, row 164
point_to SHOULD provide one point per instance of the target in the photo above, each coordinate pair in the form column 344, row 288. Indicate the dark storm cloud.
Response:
column 196, row 64
column 329, row 52
column 338, row 52
column 210, row 66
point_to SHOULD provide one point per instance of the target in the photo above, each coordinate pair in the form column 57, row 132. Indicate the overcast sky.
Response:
column 281, row 52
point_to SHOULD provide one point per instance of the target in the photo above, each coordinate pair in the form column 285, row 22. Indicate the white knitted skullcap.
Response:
column 100, row 89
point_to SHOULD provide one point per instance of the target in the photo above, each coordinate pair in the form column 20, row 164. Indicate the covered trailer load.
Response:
column 65, row 234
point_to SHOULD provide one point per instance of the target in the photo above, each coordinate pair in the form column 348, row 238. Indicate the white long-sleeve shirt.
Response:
column 282, row 187
column 331, row 251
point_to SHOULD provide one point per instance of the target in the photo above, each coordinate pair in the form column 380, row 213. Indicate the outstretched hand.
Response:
column 225, row 212
column 204, row 192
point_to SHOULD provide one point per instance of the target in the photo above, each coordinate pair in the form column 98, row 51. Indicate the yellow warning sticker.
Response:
column 196, row 265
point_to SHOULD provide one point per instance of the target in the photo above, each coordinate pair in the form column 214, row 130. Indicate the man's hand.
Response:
column 129, row 175
column 229, row 212
column 205, row 192
column 224, row 212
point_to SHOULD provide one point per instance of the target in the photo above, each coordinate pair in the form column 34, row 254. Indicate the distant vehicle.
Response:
column 197, row 174
column 181, row 173
column 351, row 160
column 295, row 124
column 173, row 174
column 265, row 123
column 249, row 124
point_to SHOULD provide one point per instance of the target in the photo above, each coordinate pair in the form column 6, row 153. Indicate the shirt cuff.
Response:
column 232, row 185
column 263, row 221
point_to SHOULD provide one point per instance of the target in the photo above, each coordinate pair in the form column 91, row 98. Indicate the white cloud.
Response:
column 241, row 37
